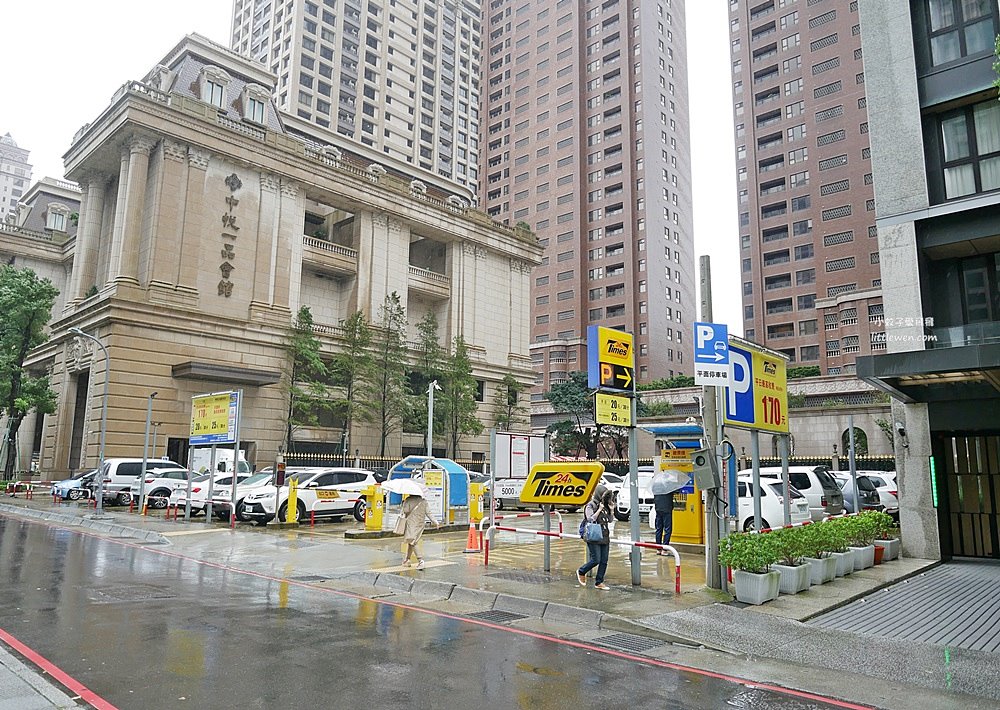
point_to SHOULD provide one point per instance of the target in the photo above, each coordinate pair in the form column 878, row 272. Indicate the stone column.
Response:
column 89, row 234
column 162, row 267
column 194, row 224
column 130, row 215
column 118, row 221
column 266, row 247
column 287, row 262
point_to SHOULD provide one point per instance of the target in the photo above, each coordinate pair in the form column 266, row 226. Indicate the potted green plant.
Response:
column 839, row 544
column 790, row 550
column 861, row 531
column 887, row 538
column 817, row 541
column 751, row 555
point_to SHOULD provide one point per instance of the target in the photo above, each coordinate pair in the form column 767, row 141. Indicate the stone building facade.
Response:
column 205, row 226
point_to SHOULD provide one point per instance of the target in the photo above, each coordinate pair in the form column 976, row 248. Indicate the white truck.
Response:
column 201, row 461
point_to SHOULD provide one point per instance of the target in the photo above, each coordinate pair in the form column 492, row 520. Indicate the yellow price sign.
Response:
column 613, row 409
column 211, row 417
column 676, row 460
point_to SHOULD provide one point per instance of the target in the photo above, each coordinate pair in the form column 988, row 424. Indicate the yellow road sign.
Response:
column 615, row 346
column 676, row 460
column 613, row 409
column 562, row 483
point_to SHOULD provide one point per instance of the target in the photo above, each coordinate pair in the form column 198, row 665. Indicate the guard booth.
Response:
column 447, row 484
column 689, row 504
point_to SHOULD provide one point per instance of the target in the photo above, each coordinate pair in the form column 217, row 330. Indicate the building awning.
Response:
column 936, row 375
column 227, row 374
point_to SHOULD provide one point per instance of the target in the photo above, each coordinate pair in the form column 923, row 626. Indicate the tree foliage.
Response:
column 385, row 399
column 654, row 409
column 508, row 411
column 578, row 434
column 795, row 373
column 307, row 377
column 430, row 357
column 26, row 304
column 350, row 366
column 458, row 397
column 668, row 383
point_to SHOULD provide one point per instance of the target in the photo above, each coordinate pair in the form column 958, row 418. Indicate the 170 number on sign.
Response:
column 771, row 409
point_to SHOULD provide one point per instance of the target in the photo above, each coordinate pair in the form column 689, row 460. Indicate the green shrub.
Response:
column 817, row 540
column 789, row 545
column 882, row 524
column 839, row 533
column 749, row 552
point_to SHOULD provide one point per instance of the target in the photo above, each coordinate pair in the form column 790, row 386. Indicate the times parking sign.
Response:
column 757, row 396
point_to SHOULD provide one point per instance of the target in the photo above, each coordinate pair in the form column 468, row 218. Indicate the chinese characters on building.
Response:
column 230, row 231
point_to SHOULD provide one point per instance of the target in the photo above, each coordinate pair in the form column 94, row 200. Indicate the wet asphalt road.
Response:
column 148, row 630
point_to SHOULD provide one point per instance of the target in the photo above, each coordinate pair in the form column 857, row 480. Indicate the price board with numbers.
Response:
column 213, row 418
column 613, row 409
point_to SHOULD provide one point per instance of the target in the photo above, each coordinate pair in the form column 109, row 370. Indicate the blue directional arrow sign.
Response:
column 711, row 354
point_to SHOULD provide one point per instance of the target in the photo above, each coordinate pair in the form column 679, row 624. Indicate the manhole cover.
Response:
column 294, row 544
column 129, row 593
column 629, row 642
column 527, row 577
column 497, row 617
column 310, row 578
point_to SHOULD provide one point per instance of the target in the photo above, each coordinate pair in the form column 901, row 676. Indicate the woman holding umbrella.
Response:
column 416, row 514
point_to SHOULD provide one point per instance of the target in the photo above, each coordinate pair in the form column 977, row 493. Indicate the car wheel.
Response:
column 283, row 512
column 221, row 514
column 260, row 522
column 240, row 514
column 123, row 498
column 75, row 493
column 621, row 516
column 158, row 499
column 748, row 525
column 499, row 504
column 359, row 510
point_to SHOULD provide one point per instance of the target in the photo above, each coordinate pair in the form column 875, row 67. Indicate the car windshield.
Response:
column 864, row 484
column 793, row 492
column 81, row 474
column 200, row 478
column 257, row 478
column 612, row 478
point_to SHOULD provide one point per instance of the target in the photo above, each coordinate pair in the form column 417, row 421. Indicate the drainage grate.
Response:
column 129, row 593
column 497, row 617
column 629, row 642
column 526, row 577
column 310, row 578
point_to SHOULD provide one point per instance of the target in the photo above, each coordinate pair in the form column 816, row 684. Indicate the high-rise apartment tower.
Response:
column 808, row 247
column 585, row 139
column 15, row 175
column 401, row 77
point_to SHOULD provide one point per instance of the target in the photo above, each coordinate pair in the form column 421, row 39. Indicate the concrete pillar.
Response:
column 89, row 235
column 132, row 207
column 118, row 221
column 194, row 221
column 288, row 259
column 268, row 238
column 161, row 267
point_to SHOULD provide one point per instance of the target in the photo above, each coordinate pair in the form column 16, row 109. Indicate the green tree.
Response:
column 458, row 397
column 668, row 383
column 886, row 428
column 385, row 399
column 578, row 433
column 350, row 366
column 26, row 304
column 307, row 377
column 653, row 409
column 794, row 373
column 430, row 356
column 508, row 411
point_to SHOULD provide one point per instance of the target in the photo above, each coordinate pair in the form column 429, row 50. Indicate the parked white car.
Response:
column 772, row 508
column 222, row 496
column 199, row 490
column 159, row 484
column 121, row 475
column 327, row 492
column 815, row 483
column 885, row 484
column 624, row 505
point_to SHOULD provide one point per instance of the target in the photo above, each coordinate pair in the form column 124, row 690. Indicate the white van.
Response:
column 202, row 460
column 121, row 475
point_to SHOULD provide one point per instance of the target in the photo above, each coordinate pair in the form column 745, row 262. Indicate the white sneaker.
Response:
column 420, row 564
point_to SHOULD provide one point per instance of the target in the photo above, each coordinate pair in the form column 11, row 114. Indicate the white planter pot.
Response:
column 754, row 588
column 821, row 570
column 891, row 548
column 845, row 563
column 864, row 557
column 793, row 579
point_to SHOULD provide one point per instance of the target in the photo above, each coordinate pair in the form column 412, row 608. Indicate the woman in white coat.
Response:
column 416, row 513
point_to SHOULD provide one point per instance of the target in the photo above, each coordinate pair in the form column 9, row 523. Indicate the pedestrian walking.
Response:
column 598, row 513
column 416, row 513
column 663, row 504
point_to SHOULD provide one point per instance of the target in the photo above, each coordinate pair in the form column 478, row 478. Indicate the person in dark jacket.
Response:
column 663, row 504
column 598, row 510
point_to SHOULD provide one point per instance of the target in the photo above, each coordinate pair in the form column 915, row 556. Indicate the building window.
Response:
column 213, row 86
column 960, row 28
column 255, row 100
column 55, row 217
column 970, row 146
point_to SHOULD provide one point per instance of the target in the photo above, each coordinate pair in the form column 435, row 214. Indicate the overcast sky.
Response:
column 62, row 61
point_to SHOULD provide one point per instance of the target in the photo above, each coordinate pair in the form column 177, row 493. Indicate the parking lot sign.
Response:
column 213, row 418
column 610, row 358
column 711, row 354
column 757, row 396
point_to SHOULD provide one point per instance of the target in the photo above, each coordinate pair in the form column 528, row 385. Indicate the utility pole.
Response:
column 713, row 437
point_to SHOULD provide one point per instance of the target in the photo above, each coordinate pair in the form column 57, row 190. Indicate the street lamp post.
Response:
column 430, row 415
column 104, row 416
column 145, row 453
column 156, row 433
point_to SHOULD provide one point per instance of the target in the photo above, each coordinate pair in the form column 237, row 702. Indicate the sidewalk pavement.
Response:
column 24, row 688
column 515, row 582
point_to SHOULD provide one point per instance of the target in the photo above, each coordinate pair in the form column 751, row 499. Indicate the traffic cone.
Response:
column 472, row 543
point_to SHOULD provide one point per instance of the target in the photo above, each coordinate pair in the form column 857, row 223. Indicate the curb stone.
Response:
column 394, row 581
column 431, row 588
column 520, row 605
column 573, row 615
column 82, row 521
column 473, row 597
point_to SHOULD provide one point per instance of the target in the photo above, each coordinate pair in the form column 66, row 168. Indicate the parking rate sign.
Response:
column 757, row 396
column 711, row 354
column 213, row 418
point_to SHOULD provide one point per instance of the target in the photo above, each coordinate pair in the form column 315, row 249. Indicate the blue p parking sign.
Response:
column 711, row 354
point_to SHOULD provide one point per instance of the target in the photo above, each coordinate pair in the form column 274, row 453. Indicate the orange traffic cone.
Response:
column 472, row 544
